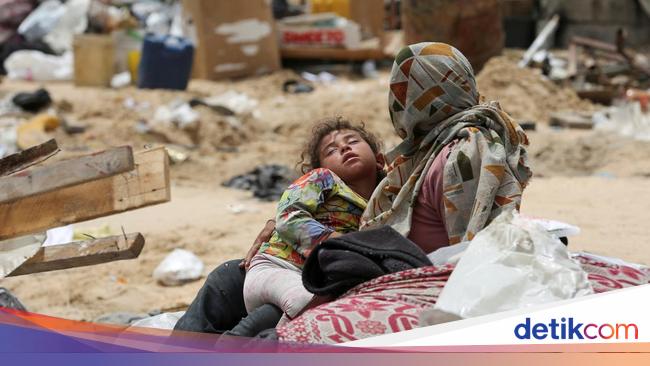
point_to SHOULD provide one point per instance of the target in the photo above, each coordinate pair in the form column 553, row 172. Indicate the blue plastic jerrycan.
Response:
column 166, row 62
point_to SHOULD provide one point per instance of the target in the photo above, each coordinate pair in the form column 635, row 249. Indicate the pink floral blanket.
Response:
column 393, row 303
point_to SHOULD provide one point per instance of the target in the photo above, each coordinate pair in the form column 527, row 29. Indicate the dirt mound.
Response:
column 524, row 93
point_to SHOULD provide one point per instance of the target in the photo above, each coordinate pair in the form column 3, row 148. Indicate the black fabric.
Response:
column 267, row 182
column 219, row 305
column 338, row 264
column 264, row 317
column 32, row 102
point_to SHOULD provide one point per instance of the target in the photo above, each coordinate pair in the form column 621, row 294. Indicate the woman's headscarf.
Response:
column 433, row 100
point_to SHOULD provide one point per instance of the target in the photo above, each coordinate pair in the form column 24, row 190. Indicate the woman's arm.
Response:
column 263, row 236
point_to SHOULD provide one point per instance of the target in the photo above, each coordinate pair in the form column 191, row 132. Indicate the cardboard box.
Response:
column 319, row 30
column 94, row 59
column 233, row 38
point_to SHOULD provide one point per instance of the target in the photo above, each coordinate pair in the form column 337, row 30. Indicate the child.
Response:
column 345, row 165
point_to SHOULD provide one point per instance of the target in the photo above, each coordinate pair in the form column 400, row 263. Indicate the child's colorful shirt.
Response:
column 313, row 207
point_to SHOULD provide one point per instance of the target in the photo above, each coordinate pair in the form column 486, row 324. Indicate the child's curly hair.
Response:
column 310, row 157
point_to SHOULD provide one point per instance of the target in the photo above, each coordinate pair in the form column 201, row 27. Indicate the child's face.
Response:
column 348, row 155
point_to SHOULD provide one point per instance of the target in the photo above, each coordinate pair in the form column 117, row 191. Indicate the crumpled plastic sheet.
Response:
column 513, row 263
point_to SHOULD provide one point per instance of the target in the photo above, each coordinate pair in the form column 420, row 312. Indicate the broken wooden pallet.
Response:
column 75, row 190
column 147, row 184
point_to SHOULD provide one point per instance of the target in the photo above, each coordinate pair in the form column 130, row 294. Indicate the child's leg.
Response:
column 272, row 281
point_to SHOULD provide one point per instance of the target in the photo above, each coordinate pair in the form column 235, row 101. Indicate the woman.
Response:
column 460, row 164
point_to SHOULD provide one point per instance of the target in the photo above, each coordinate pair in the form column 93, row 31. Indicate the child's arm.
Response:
column 295, row 222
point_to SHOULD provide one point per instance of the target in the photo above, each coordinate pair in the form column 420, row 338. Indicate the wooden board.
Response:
column 66, row 173
column 28, row 157
column 147, row 184
column 82, row 253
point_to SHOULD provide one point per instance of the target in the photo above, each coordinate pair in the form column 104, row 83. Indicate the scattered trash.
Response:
column 572, row 120
column 8, row 138
column 33, row 102
column 224, row 111
column 369, row 69
column 9, row 301
column 34, row 131
column 513, row 263
column 106, row 18
column 267, row 182
column 626, row 119
column 132, row 104
column 541, row 41
column 121, row 80
column 120, row 318
column 74, row 20
column 296, row 87
column 72, row 128
column 38, row 66
column 240, row 103
column 323, row 77
column 160, row 321
column 42, row 20
column 59, row 235
column 9, row 109
column 238, row 208
column 176, row 155
column 180, row 114
column 179, row 267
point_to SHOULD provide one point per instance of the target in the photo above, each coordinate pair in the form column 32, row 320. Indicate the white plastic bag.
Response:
column 513, row 263
column 73, row 21
column 180, row 266
column 42, row 20
column 160, row 321
column 37, row 66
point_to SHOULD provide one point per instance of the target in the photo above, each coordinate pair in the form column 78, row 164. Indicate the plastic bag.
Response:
column 160, row 321
column 512, row 263
column 73, row 21
column 42, row 20
column 180, row 266
column 37, row 66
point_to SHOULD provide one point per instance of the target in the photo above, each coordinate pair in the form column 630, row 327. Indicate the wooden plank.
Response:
column 147, row 184
column 28, row 157
column 66, row 173
column 82, row 253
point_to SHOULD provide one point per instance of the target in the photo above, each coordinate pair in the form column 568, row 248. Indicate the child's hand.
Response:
column 262, row 237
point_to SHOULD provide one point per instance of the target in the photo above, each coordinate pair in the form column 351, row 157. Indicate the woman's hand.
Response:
column 262, row 237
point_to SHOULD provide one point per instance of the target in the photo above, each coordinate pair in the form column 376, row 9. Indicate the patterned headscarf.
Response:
column 433, row 101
